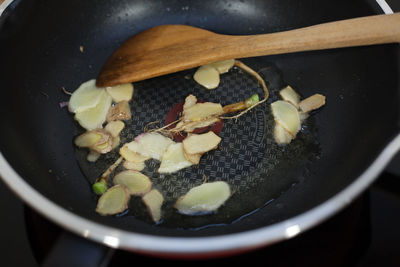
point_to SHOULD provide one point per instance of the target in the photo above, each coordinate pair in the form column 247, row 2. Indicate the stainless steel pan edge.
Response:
column 116, row 238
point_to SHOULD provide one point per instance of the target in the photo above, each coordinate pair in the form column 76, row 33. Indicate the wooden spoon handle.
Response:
column 370, row 30
column 170, row 48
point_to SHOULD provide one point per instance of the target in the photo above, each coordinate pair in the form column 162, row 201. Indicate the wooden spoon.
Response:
column 171, row 48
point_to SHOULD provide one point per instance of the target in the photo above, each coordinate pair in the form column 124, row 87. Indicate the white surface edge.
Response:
column 385, row 6
column 117, row 238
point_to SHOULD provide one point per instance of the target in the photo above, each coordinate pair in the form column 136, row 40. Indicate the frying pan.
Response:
column 280, row 191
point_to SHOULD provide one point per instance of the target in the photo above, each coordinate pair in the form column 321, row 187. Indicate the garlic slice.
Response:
column 85, row 97
column 153, row 201
column 122, row 92
column 287, row 116
column 113, row 201
column 137, row 183
column 207, row 76
column 173, row 159
column 204, row 198
column 94, row 117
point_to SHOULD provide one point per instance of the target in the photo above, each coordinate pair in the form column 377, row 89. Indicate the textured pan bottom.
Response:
column 257, row 169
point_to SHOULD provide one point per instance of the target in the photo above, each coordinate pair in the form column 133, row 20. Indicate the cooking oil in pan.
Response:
column 257, row 169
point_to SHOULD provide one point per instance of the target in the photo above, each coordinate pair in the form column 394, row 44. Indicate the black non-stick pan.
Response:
column 280, row 191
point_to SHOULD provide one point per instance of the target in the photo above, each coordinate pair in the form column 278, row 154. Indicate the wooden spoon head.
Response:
column 158, row 51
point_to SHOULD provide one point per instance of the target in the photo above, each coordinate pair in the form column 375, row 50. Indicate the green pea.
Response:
column 100, row 187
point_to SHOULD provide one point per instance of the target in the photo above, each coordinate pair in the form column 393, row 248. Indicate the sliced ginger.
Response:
column 94, row 117
column 207, row 76
column 150, row 145
column 193, row 158
column 153, row 201
column 97, row 140
column 287, row 116
column 173, row 159
column 132, row 156
column 113, row 201
column 132, row 165
column 290, row 95
column 120, row 111
column 115, row 127
column 292, row 112
column 201, row 143
column 311, row 103
column 204, row 198
column 122, row 92
column 137, row 183
column 201, row 111
column 85, row 97
column 223, row 66
column 281, row 135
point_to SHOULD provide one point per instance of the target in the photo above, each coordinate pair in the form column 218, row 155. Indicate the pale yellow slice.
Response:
column 136, row 182
column 193, row 158
column 94, row 117
column 200, row 111
column 290, row 95
column 173, row 159
column 153, row 201
column 190, row 100
column 150, row 145
column 122, row 92
column 90, row 138
column 204, row 198
column 93, row 156
column 281, row 135
column 201, row 143
column 132, row 165
column 207, row 76
column 311, row 103
column 132, row 156
column 116, row 141
column 113, row 201
column 287, row 116
column 223, row 66
column 191, row 126
column 115, row 127
column 85, row 97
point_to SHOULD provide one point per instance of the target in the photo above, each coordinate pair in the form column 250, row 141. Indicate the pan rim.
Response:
column 150, row 244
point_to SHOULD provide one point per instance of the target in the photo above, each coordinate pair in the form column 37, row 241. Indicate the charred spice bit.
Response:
column 46, row 95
